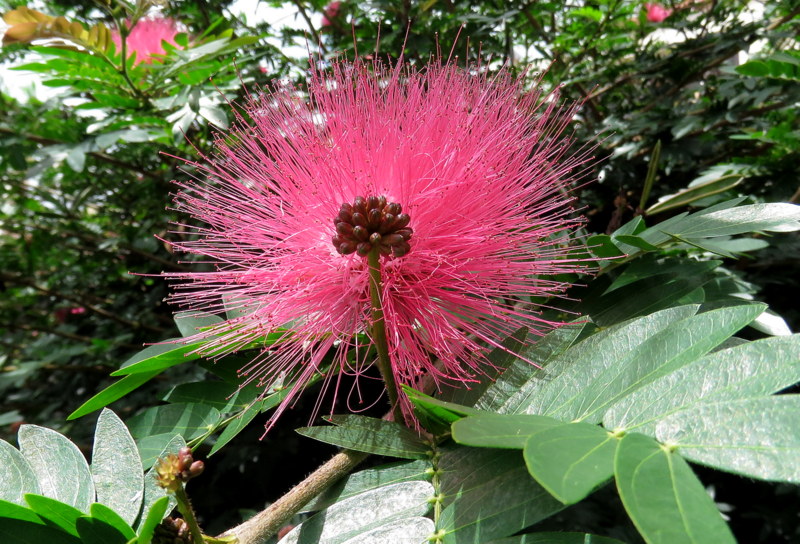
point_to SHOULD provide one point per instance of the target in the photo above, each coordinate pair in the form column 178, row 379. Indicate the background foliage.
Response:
column 696, row 123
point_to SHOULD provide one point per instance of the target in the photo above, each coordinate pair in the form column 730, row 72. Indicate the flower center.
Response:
column 372, row 223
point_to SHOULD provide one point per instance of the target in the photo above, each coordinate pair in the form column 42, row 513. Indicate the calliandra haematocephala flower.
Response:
column 416, row 208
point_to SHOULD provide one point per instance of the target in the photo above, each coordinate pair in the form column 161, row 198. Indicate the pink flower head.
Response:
column 331, row 11
column 477, row 166
column 656, row 13
column 146, row 36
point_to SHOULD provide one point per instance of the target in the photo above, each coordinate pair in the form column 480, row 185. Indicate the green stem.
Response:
column 379, row 332
column 185, row 508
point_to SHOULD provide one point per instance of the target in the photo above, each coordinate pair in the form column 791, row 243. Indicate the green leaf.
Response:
column 59, row 466
column 157, row 512
column 520, row 373
column 586, row 389
column 189, row 420
column 776, row 217
column 434, row 414
column 488, row 494
column 500, row 431
column 153, row 493
column 238, row 424
column 12, row 510
column 747, row 370
column 159, row 357
column 603, row 246
column 372, row 478
column 604, row 349
column 571, row 460
column 116, row 467
column 663, row 497
column 98, row 531
column 397, row 507
column 757, row 437
column 225, row 397
column 55, row 512
column 150, row 447
column 696, row 191
column 19, row 525
column 16, row 474
column 110, row 517
column 370, row 435
column 557, row 538
column 113, row 392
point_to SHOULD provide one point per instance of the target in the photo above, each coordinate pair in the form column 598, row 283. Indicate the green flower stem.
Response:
column 185, row 508
column 379, row 332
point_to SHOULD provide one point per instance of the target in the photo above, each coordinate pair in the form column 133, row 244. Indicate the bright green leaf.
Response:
column 189, row 420
column 571, row 460
column 116, row 467
column 59, row 466
column 16, row 475
column 157, row 511
column 663, row 497
column 757, row 437
column 500, row 430
column 56, row 512
column 747, row 370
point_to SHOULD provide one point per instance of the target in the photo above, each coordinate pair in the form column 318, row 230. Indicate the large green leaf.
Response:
column 394, row 507
column 372, row 478
column 108, row 516
column 16, row 474
column 59, row 466
column 500, row 430
column 113, row 392
column 189, row 420
column 746, row 370
column 757, row 437
column 520, row 372
column 19, row 525
column 587, row 388
column 116, row 467
column 159, row 357
column 370, row 435
column 488, row 494
column 571, row 460
column 55, row 512
column 567, row 372
column 663, row 497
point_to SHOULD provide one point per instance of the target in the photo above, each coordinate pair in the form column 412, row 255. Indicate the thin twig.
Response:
column 267, row 522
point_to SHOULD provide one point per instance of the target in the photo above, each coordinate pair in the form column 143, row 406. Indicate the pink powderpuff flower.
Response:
column 331, row 11
column 146, row 36
column 656, row 13
column 474, row 173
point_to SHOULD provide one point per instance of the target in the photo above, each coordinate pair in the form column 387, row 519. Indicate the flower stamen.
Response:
column 372, row 222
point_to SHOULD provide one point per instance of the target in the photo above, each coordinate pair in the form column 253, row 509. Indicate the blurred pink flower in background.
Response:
column 331, row 11
column 474, row 173
column 146, row 36
column 656, row 13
